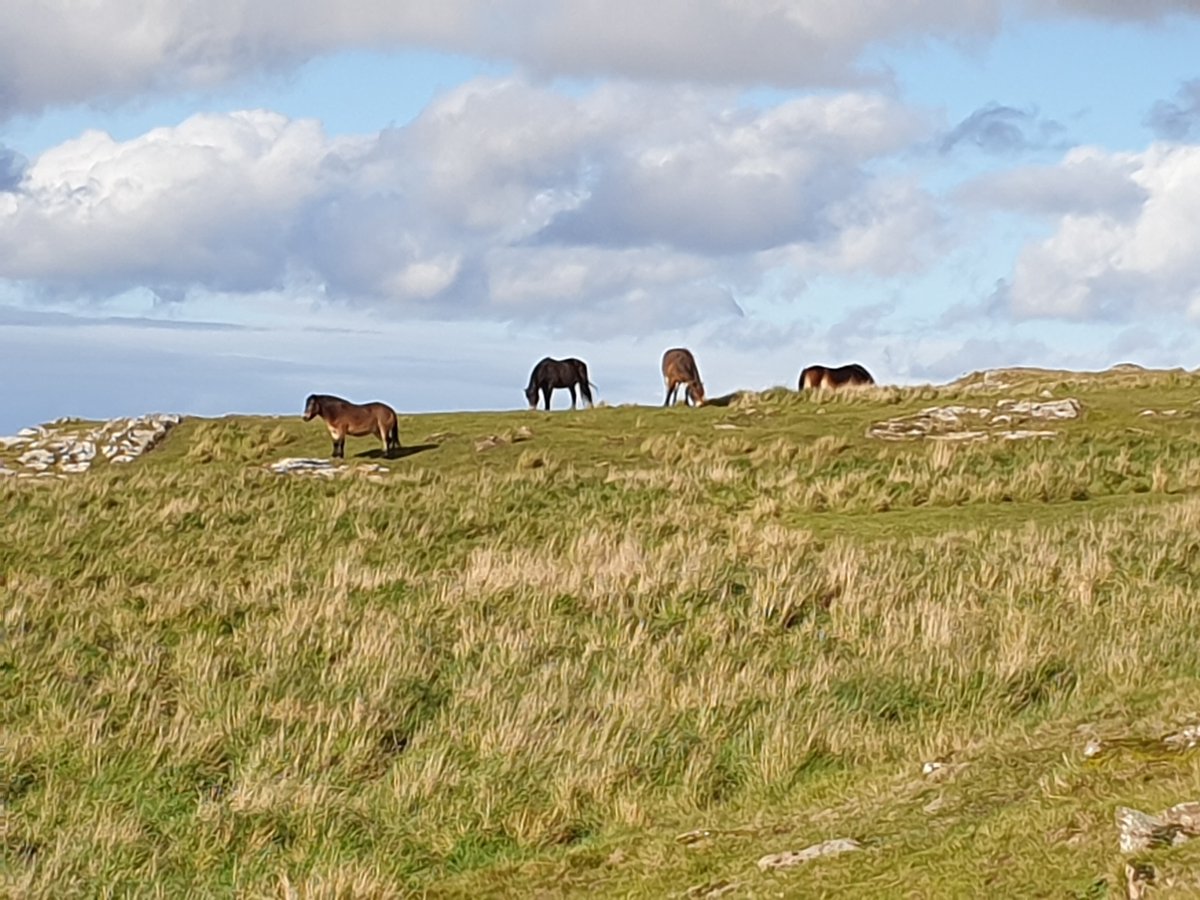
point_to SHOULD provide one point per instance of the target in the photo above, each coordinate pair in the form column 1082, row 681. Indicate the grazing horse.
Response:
column 679, row 367
column 549, row 374
column 842, row 376
column 342, row 417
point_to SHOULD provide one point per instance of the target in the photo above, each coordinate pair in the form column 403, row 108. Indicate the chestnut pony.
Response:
column 679, row 368
column 343, row 418
column 842, row 376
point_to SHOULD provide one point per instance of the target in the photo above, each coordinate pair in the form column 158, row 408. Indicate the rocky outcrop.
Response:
column 978, row 423
column 66, row 447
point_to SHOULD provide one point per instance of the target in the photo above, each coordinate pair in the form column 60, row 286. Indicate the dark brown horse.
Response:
column 343, row 418
column 549, row 374
column 679, row 367
column 843, row 376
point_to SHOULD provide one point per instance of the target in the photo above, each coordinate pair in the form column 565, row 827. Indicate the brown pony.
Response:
column 679, row 367
column 815, row 377
column 549, row 374
column 343, row 418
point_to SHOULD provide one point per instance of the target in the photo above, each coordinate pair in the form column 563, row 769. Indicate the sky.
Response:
column 214, row 206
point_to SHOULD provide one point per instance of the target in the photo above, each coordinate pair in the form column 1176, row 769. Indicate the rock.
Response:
column 1138, row 831
column 524, row 433
column 1092, row 748
column 972, row 423
column 1026, row 435
column 1184, row 739
column 1068, row 408
column 488, row 443
column 794, row 858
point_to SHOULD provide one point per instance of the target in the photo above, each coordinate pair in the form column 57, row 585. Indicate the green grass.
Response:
column 527, row 671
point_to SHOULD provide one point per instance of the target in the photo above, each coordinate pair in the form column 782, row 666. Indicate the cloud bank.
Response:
column 503, row 199
column 55, row 52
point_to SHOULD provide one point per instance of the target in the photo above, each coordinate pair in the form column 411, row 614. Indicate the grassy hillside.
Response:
column 629, row 654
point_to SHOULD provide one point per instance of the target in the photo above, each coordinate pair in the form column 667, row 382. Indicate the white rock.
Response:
column 795, row 858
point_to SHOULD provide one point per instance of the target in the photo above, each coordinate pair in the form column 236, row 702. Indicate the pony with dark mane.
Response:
column 549, row 374
column 679, row 368
column 343, row 418
column 853, row 375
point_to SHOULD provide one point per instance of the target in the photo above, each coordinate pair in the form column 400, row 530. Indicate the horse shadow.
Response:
column 726, row 400
column 410, row 450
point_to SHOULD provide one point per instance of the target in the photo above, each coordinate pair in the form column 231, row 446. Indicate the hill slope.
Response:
column 623, row 650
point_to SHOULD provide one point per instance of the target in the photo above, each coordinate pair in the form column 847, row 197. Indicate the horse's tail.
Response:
column 586, row 387
column 394, row 432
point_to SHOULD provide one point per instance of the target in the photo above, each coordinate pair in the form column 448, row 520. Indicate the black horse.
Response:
column 558, row 373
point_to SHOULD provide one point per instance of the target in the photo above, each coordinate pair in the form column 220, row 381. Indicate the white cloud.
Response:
column 501, row 199
column 1120, row 262
column 1088, row 180
column 55, row 52
column 62, row 51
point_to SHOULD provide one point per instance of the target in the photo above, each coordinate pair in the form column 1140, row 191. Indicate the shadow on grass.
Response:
column 725, row 400
column 411, row 450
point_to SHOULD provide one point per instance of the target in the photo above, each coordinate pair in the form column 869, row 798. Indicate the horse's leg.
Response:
column 670, row 392
column 339, row 445
column 546, row 392
column 571, row 388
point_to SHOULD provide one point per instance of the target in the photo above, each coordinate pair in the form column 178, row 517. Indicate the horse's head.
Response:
column 531, row 393
column 696, row 391
column 312, row 407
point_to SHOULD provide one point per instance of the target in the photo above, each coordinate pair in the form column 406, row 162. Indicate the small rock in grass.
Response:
column 835, row 847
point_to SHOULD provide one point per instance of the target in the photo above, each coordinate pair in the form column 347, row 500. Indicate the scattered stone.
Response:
column 323, row 468
column 1137, row 831
column 1185, row 739
column 488, row 443
column 795, row 858
column 1092, row 748
column 726, row 426
column 71, row 447
column 524, row 433
column 615, row 858
column 1025, row 435
column 976, row 423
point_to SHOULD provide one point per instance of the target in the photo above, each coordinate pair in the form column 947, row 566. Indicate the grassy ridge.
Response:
column 529, row 669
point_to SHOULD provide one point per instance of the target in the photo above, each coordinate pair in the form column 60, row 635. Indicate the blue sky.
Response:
column 225, row 206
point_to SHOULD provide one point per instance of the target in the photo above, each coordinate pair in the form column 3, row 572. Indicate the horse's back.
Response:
column 680, row 363
column 815, row 377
